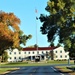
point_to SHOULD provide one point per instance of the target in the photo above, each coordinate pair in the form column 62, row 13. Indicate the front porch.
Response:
column 36, row 58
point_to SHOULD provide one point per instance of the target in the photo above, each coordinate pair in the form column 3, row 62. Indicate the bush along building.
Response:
column 38, row 54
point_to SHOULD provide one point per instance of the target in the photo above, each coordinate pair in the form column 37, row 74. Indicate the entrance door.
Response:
column 37, row 58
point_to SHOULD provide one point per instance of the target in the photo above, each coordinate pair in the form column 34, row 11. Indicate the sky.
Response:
column 25, row 11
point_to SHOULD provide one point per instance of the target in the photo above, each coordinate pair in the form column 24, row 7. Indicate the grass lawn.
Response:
column 6, row 70
column 35, row 63
column 60, row 62
column 25, row 64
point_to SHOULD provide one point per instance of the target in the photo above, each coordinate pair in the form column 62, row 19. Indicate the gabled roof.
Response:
column 39, row 48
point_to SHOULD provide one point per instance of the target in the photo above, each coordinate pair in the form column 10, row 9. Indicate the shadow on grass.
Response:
column 70, row 71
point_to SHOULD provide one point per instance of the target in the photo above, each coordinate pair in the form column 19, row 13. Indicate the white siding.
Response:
column 23, row 54
column 15, row 53
column 61, row 54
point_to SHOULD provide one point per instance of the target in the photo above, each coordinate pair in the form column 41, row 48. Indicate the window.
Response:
column 46, row 51
column 14, row 52
column 33, row 52
column 56, row 56
column 65, row 56
column 29, row 52
column 55, row 51
column 42, row 52
column 24, row 52
column 14, row 57
column 19, row 52
column 10, row 53
column 19, row 57
column 10, row 58
column 38, row 52
column 60, row 51
column 60, row 56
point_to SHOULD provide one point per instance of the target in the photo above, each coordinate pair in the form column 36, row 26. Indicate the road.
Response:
column 37, row 70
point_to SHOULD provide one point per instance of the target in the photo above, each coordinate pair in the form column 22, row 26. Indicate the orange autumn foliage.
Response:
column 9, row 28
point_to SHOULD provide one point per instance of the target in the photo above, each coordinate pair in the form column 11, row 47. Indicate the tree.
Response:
column 0, row 58
column 52, row 44
column 50, row 55
column 10, row 33
column 60, row 22
column 36, row 46
column 5, row 56
column 58, row 45
column 23, row 38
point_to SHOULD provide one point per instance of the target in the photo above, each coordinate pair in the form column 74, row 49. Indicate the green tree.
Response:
column 50, row 55
column 58, row 45
column 4, row 56
column 52, row 44
column 23, row 38
column 60, row 22
column 36, row 46
column 0, row 58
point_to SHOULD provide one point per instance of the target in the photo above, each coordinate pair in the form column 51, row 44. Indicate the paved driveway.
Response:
column 37, row 70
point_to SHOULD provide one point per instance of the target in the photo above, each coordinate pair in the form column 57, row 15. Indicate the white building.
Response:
column 60, row 54
column 38, row 54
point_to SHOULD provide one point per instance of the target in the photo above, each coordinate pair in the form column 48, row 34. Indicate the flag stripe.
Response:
column 36, row 11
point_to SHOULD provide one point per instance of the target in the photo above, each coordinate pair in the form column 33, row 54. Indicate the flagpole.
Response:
column 36, row 31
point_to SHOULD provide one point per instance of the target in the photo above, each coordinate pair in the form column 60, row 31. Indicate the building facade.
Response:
column 60, row 54
column 38, row 54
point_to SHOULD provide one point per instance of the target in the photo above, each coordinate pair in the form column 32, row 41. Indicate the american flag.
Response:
column 36, row 12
